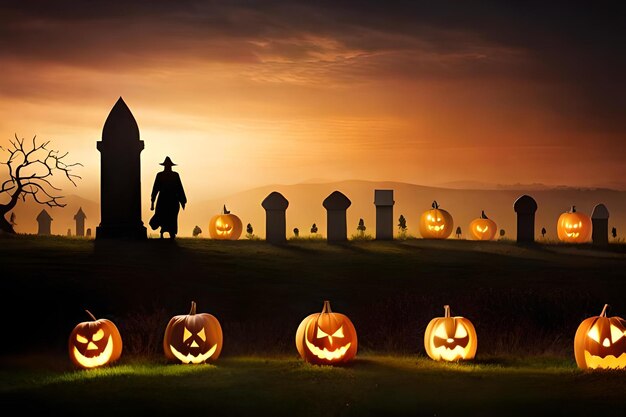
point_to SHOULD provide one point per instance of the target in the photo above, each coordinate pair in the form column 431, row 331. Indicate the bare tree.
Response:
column 29, row 169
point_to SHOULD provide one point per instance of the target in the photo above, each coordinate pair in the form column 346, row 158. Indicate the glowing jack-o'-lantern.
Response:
column 193, row 338
column 574, row 227
column 225, row 226
column 436, row 223
column 450, row 338
column 600, row 342
column 326, row 338
column 483, row 228
column 95, row 343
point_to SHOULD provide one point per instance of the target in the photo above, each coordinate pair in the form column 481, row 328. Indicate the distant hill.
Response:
column 305, row 207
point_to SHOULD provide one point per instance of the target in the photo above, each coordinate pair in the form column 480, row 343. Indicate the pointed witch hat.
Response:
column 168, row 162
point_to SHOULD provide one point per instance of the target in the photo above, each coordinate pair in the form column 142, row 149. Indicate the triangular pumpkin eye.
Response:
column 594, row 334
column 440, row 331
column 616, row 334
column 339, row 333
column 186, row 334
column 460, row 332
column 99, row 335
column 321, row 333
column 202, row 335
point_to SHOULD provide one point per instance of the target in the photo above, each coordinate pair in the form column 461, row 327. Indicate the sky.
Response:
column 243, row 94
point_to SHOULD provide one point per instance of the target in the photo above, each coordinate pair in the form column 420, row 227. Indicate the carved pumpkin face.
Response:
column 600, row 342
column 225, row 226
column 95, row 343
column 450, row 338
column 193, row 338
column 326, row 338
column 574, row 227
column 436, row 223
column 483, row 228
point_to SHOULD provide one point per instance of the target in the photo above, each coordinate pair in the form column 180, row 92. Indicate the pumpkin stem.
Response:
column 483, row 215
column 91, row 315
column 193, row 308
column 326, row 308
column 573, row 209
column 225, row 211
column 446, row 311
column 435, row 204
column 603, row 314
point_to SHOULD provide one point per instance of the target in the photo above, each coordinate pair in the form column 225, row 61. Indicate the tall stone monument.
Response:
column 383, row 199
column 120, row 176
column 336, row 205
column 275, row 205
column 600, row 225
column 525, row 207
column 44, row 222
column 80, row 222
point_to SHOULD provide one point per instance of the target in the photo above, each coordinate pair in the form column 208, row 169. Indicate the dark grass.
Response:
column 525, row 302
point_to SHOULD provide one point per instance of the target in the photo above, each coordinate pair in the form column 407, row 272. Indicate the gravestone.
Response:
column 275, row 205
column 44, row 220
column 383, row 199
column 89, row 232
column 120, row 176
column 525, row 207
column 80, row 222
column 336, row 205
column 600, row 225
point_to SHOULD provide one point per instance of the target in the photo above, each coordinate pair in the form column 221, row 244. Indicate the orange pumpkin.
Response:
column 600, row 342
column 450, row 338
column 483, row 228
column 193, row 338
column 574, row 227
column 225, row 226
column 436, row 223
column 326, row 338
column 95, row 343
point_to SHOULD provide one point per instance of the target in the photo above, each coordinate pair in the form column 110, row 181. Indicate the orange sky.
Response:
column 254, row 100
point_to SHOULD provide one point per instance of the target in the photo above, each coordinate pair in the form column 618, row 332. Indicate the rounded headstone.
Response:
column 525, row 205
column 275, row 201
column 336, row 201
column 600, row 212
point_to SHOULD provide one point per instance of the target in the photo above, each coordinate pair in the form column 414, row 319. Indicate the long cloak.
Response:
column 169, row 192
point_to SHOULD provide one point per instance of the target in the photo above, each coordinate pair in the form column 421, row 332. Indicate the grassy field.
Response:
column 525, row 302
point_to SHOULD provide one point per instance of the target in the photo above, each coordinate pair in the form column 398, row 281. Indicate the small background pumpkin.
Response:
column 436, row 223
column 94, row 343
column 483, row 228
column 574, row 226
column 225, row 226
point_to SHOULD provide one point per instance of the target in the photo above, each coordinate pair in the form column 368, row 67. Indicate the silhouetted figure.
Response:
column 600, row 225
column 120, row 176
column 543, row 232
column 383, row 200
column 80, row 222
column 296, row 232
column 89, row 232
column 361, row 228
column 44, row 221
column 458, row 232
column 69, row 232
column 314, row 229
column 170, row 196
